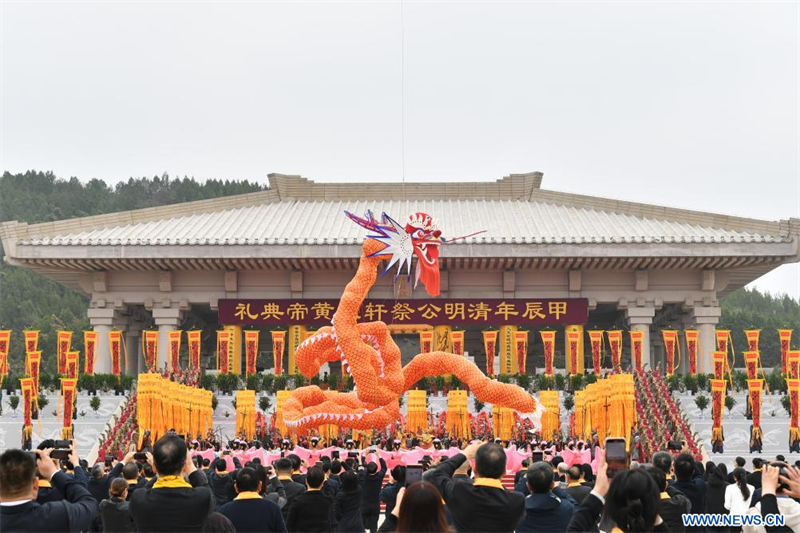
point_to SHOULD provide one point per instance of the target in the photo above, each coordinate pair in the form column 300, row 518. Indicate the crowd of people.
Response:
column 169, row 489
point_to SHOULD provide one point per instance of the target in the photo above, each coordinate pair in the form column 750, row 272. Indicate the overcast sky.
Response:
column 685, row 104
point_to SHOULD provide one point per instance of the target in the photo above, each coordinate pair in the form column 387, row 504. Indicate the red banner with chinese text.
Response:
column 457, row 342
column 278, row 342
column 436, row 312
column 717, row 403
column 751, row 364
column 26, row 388
column 63, row 345
column 489, row 345
column 549, row 344
column 174, row 345
column 426, row 341
column 596, row 345
column 755, row 387
column 31, row 340
column 250, row 351
column 692, row 347
column 72, row 362
column 90, row 340
column 752, row 339
column 719, row 364
column 794, row 396
column 150, row 349
column 193, row 347
column 573, row 343
column 223, row 350
column 615, row 347
column 785, row 336
column 521, row 347
column 637, row 341
column 115, row 349
column 794, row 364
column 671, row 345
column 68, row 394
column 32, row 365
column 5, row 345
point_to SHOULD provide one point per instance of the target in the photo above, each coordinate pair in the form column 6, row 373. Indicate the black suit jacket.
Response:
column 476, row 507
column 99, row 487
column 52, row 494
column 74, row 513
column 173, row 509
column 310, row 512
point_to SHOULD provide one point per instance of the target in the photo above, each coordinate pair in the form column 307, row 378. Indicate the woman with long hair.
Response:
column 631, row 503
column 347, row 506
column 738, row 494
column 419, row 509
column 716, row 487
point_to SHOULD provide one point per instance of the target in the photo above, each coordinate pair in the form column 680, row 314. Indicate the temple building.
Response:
column 280, row 259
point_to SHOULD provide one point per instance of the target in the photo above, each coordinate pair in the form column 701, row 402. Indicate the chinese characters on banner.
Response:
column 223, row 350
column 31, row 340
column 786, row 340
column 615, row 345
column 794, row 391
column 717, row 404
column 549, row 343
column 32, row 364
column 573, row 343
column 398, row 312
column 426, row 341
column 596, row 346
column 637, row 340
column 90, row 340
column 489, row 344
column 193, row 347
column 719, row 364
column 68, row 386
column 457, row 342
column 150, row 349
column 5, row 342
column 752, row 339
column 26, row 387
column 671, row 344
column 174, row 344
column 250, row 351
column 692, row 346
column 278, row 342
column 751, row 364
column 64, row 340
column 72, row 364
column 521, row 345
column 115, row 347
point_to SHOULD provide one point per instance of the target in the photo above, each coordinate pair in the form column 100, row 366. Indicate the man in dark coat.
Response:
column 19, row 484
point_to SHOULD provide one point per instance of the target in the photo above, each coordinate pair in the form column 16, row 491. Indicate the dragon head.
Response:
column 419, row 237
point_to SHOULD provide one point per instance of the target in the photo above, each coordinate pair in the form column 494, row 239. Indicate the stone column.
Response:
column 640, row 319
column 166, row 319
column 133, row 342
column 706, row 319
column 102, row 321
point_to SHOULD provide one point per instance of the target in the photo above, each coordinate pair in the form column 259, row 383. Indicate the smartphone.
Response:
column 60, row 454
column 335, row 454
column 616, row 455
column 413, row 474
column 352, row 454
column 140, row 456
column 537, row 456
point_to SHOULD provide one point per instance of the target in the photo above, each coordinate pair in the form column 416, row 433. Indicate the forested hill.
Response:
column 30, row 301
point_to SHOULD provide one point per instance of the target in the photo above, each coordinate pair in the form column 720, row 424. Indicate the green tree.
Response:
column 94, row 403
column 214, row 402
column 701, row 401
column 730, row 403
column 786, row 402
column 569, row 402
column 264, row 403
column 479, row 405
column 13, row 403
column 43, row 401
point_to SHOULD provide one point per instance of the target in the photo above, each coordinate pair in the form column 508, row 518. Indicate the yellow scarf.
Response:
column 574, row 484
column 223, row 473
column 489, row 482
column 44, row 484
column 171, row 482
column 132, row 481
column 665, row 496
column 248, row 495
column 285, row 478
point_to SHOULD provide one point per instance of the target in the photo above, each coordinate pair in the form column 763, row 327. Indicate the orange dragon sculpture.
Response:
column 368, row 352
